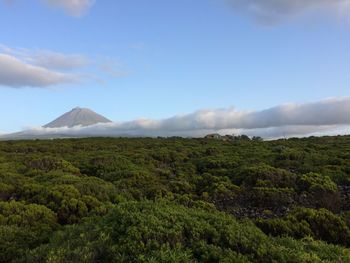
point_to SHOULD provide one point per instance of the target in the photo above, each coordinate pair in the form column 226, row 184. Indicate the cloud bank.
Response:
column 331, row 116
column 76, row 8
column 270, row 11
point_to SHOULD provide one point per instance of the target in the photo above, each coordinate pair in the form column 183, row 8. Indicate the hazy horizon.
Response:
column 326, row 117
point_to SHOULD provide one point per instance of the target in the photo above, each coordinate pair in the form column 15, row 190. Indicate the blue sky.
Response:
column 157, row 58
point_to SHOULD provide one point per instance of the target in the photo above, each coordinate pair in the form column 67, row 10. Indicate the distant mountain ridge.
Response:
column 77, row 116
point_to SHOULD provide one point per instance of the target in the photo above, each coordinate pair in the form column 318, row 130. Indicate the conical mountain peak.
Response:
column 77, row 116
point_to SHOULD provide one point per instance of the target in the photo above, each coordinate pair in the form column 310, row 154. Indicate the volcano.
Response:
column 77, row 117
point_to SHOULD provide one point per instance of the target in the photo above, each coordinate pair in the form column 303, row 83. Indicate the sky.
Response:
column 154, row 59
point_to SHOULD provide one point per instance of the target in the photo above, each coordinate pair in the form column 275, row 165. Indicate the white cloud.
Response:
column 8, row 2
column 75, row 8
column 61, row 68
column 137, row 46
column 329, row 116
column 270, row 11
column 113, row 68
column 46, row 58
column 16, row 73
column 59, row 61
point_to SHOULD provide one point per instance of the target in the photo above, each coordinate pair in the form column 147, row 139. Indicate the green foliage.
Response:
column 322, row 190
column 6, row 191
column 64, row 199
column 215, row 187
column 23, row 227
column 47, row 163
column 266, row 175
column 315, row 182
column 303, row 222
column 163, row 232
column 266, row 197
column 175, row 200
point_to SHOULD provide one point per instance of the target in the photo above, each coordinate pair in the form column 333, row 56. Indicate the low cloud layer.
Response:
column 271, row 11
column 329, row 116
column 75, row 8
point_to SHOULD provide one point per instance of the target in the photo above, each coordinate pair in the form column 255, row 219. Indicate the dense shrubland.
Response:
column 175, row 200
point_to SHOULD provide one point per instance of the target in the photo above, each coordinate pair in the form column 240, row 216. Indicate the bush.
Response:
column 164, row 232
column 23, row 227
column 302, row 222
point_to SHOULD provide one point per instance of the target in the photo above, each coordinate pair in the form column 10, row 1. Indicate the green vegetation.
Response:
column 175, row 200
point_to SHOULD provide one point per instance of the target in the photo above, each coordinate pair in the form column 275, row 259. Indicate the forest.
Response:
column 175, row 200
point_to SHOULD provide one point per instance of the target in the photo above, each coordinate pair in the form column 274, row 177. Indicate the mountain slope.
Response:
column 77, row 116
